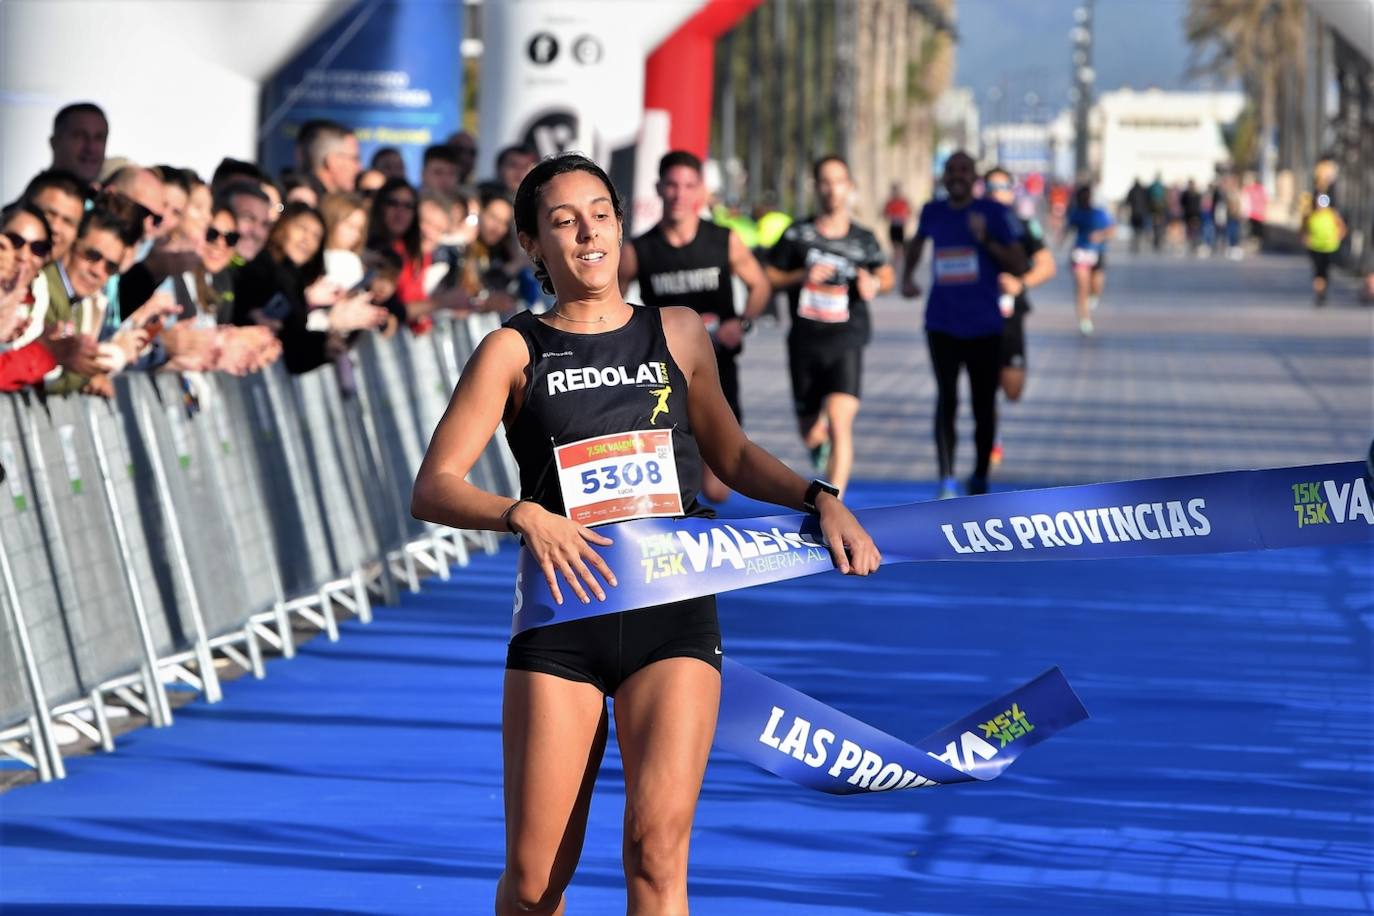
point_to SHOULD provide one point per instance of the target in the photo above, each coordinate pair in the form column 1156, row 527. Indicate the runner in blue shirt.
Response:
column 973, row 240
column 1092, row 227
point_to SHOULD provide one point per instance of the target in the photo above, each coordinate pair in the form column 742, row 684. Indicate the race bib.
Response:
column 1084, row 257
column 619, row 477
column 956, row 266
column 828, row 304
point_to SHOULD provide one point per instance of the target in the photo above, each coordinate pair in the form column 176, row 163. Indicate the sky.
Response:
column 1022, row 46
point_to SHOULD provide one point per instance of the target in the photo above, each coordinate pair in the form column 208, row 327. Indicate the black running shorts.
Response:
column 1014, row 342
column 604, row 651
column 1321, row 263
column 818, row 371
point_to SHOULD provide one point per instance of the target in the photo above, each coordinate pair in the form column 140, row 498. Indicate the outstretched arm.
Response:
column 744, row 466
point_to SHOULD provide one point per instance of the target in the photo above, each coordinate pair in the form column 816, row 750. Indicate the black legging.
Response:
column 983, row 356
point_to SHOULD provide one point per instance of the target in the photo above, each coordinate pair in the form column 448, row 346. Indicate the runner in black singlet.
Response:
column 595, row 367
column 687, row 260
column 831, row 268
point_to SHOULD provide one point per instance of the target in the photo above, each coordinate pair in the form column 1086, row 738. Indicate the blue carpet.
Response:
column 1227, row 767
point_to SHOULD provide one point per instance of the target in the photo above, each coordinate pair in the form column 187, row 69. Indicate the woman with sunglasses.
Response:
column 25, row 248
column 25, row 356
column 394, row 225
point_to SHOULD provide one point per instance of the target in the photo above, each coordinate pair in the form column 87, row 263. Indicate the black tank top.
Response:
column 583, row 385
column 696, row 275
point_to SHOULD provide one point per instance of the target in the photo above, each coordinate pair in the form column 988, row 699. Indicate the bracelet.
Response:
column 505, row 516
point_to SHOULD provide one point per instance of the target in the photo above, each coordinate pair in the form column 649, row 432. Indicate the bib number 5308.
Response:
column 613, row 476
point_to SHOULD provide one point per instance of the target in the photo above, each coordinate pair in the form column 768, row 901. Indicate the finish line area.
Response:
column 1227, row 765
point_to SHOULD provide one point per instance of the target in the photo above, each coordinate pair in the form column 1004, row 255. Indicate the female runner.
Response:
column 595, row 366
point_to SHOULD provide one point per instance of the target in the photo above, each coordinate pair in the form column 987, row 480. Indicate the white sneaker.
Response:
column 1085, row 327
column 1094, row 302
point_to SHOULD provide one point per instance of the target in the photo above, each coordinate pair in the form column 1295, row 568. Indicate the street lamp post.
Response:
column 1082, row 92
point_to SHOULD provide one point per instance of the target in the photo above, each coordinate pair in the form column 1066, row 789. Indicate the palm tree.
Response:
column 1261, row 43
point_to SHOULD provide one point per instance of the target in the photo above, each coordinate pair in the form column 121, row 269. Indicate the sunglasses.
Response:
column 145, row 213
column 213, row 235
column 1001, row 186
column 397, row 203
column 39, row 249
column 92, row 256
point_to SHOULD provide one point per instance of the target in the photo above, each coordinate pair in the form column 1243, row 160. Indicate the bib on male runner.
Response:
column 956, row 266
column 827, row 303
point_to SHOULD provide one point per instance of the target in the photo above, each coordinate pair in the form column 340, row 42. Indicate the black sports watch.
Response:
column 814, row 491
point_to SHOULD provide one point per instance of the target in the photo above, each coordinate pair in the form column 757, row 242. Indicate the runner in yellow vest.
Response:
column 1322, row 233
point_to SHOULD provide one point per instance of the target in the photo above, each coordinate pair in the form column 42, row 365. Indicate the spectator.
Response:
column 196, row 217
column 465, row 145
column 241, row 350
column 77, row 301
column 25, row 248
column 331, row 154
column 492, row 267
column 388, row 161
column 440, row 174
column 275, row 281
column 284, row 288
column 25, row 364
column 199, row 287
column 176, row 188
column 78, row 140
column 62, row 198
column 512, row 165
column 26, row 233
column 250, row 206
column 143, row 187
column 440, row 262
column 345, row 230
column 152, row 257
column 392, row 224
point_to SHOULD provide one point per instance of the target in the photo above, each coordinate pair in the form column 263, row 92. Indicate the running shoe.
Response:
column 997, row 455
column 949, row 488
column 977, row 486
column 1094, row 302
column 820, row 457
column 1085, row 327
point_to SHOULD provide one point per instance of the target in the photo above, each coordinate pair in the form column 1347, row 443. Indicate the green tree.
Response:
column 1260, row 44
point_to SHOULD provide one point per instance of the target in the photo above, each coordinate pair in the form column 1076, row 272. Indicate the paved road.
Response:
column 1198, row 365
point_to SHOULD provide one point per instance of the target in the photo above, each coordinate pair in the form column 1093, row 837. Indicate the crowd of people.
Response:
column 107, row 265
column 1185, row 218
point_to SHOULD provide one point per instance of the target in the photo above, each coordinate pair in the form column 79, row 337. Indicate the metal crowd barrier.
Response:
column 193, row 522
